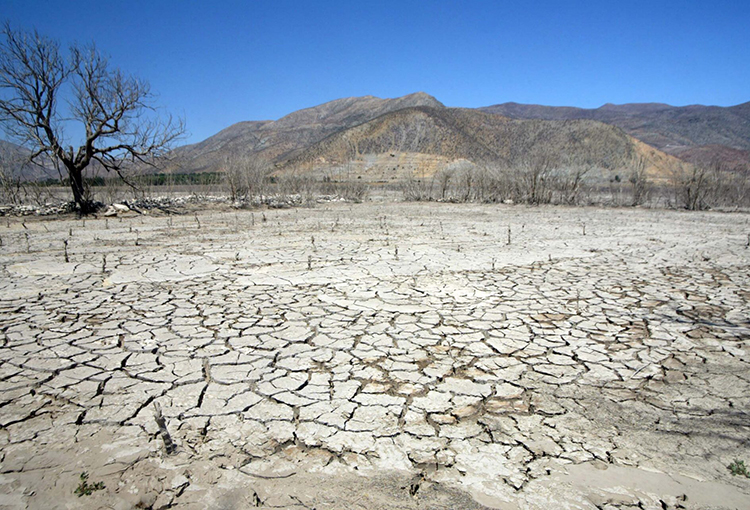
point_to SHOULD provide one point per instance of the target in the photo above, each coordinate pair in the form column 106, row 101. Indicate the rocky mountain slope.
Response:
column 275, row 141
column 387, row 139
column 694, row 133
column 486, row 140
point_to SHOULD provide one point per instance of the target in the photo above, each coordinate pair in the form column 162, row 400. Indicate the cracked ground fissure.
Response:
column 415, row 354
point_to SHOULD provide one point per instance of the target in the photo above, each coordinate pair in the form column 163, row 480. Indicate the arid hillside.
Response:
column 695, row 133
column 390, row 139
column 382, row 140
column 277, row 140
column 445, row 135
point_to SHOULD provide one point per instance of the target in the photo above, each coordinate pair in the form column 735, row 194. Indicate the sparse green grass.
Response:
column 737, row 467
column 86, row 489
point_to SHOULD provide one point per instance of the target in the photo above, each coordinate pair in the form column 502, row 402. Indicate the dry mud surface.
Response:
column 377, row 356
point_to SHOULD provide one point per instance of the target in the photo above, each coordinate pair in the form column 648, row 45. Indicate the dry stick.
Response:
column 508, row 235
column 197, row 221
column 206, row 370
column 637, row 371
column 104, row 263
column 169, row 445
column 65, row 250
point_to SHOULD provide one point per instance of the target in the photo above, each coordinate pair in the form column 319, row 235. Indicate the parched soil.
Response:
column 380, row 355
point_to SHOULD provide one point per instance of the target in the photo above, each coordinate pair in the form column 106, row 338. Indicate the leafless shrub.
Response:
column 297, row 187
column 417, row 189
column 693, row 187
column 443, row 180
column 727, row 188
column 570, row 182
column 466, row 184
column 639, row 181
column 497, row 184
column 38, row 193
column 352, row 191
column 484, row 186
column 234, row 180
column 534, row 179
column 245, row 178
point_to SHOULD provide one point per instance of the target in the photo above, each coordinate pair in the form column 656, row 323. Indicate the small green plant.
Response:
column 86, row 489
column 738, row 467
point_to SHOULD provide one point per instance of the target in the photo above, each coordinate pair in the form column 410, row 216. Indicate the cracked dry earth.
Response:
column 379, row 355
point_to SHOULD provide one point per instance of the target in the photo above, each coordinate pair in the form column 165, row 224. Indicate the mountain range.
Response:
column 388, row 139
column 698, row 134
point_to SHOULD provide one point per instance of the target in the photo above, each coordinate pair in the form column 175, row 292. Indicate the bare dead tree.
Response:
column 693, row 186
column 467, row 181
column 533, row 178
column 571, row 181
column 639, row 181
column 245, row 177
column 417, row 189
column 444, row 177
column 234, row 179
column 114, row 111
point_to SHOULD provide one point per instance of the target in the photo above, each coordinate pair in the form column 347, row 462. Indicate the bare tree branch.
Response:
column 115, row 111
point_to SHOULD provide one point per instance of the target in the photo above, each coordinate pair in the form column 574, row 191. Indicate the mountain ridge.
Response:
column 495, row 135
column 682, row 131
column 483, row 139
column 276, row 140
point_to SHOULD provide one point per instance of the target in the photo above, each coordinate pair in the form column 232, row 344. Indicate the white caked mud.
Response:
column 377, row 356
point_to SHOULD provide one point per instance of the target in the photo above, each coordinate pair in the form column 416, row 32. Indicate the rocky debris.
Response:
column 47, row 209
column 174, row 204
column 488, row 369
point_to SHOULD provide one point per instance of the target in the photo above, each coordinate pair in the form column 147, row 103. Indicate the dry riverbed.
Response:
column 379, row 355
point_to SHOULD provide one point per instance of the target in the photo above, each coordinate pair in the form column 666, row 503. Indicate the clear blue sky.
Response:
column 220, row 62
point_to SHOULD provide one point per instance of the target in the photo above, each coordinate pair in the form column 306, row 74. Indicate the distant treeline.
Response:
column 201, row 179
